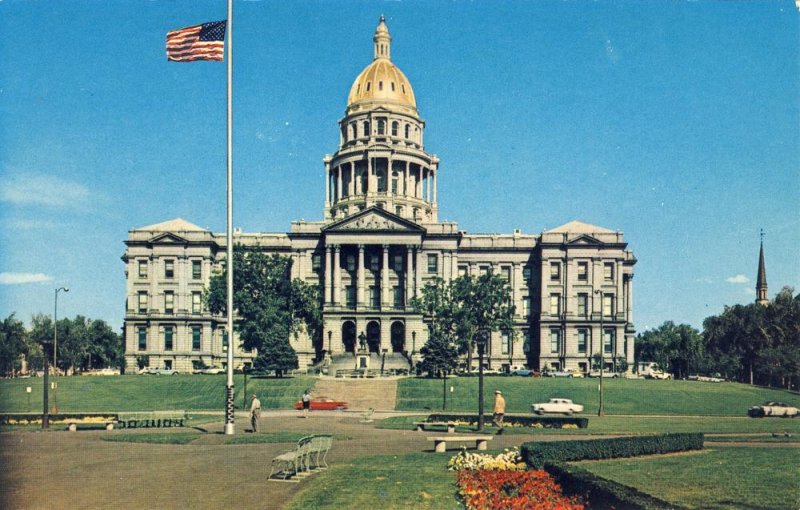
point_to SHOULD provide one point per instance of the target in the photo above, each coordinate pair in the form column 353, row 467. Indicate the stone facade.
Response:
column 378, row 244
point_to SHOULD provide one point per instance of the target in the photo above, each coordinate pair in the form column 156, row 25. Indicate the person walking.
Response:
column 255, row 412
column 499, row 410
column 306, row 402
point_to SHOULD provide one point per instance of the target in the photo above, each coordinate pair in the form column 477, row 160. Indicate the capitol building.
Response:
column 378, row 244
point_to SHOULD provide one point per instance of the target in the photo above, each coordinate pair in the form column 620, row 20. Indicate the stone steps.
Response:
column 360, row 394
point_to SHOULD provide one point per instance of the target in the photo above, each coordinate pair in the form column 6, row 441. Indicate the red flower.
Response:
column 513, row 490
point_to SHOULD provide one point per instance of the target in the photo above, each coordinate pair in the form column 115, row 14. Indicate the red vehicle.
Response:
column 322, row 404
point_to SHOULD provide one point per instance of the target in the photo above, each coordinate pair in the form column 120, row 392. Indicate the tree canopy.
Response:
column 270, row 307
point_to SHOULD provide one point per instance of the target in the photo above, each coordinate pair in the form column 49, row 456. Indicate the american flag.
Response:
column 198, row 42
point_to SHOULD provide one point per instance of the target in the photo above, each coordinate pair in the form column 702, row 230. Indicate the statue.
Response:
column 362, row 341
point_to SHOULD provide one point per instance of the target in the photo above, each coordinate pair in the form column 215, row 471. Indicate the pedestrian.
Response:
column 499, row 410
column 255, row 412
column 306, row 402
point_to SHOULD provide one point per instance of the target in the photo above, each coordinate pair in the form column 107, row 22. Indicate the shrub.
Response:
column 547, row 422
column 537, row 454
column 509, row 460
column 600, row 492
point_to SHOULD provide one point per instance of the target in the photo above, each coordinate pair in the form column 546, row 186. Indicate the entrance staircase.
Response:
column 394, row 360
column 360, row 394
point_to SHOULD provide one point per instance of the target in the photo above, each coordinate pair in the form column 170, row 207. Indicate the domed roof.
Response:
column 382, row 82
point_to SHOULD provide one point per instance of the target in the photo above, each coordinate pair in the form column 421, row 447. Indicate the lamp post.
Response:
column 55, row 346
column 383, row 360
column 602, row 353
column 330, row 336
column 413, row 347
column 481, row 343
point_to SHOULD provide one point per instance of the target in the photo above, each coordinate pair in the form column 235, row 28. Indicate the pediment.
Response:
column 584, row 240
column 167, row 238
column 374, row 220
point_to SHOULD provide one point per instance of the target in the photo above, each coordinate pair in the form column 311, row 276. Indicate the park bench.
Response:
column 309, row 455
column 366, row 416
column 422, row 425
column 72, row 424
column 440, row 442
column 152, row 419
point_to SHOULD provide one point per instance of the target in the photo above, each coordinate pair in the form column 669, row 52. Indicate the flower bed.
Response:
column 537, row 422
column 528, row 490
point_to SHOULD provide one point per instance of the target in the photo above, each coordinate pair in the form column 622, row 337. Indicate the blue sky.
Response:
column 675, row 122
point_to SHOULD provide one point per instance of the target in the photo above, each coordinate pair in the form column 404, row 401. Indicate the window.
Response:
column 169, row 333
column 526, row 342
column 392, row 86
column 197, row 336
column 395, row 125
column 197, row 305
column 482, row 270
column 608, row 339
column 505, row 274
column 169, row 268
column 555, row 271
column 142, row 269
column 505, row 342
column 583, row 271
column 555, row 340
column 374, row 297
column 374, row 262
column 369, row 83
column 142, row 302
column 351, row 262
column 398, row 263
column 526, row 307
column 142, row 332
column 608, row 305
column 397, row 294
column 463, row 270
column 350, row 295
column 365, row 127
column 398, row 210
column 169, row 302
column 608, row 271
column 197, row 269
column 582, row 336
column 353, row 130
column 224, row 340
column 583, row 305
column 380, row 83
column 316, row 262
column 526, row 273
column 433, row 263
column 381, row 126
column 394, row 185
column 407, row 132
column 555, row 304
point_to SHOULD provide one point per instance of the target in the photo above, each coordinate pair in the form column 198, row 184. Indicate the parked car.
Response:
column 606, row 374
column 323, row 404
column 576, row 373
column 771, row 408
column 208, row 370
column 523, row 372
column 558, row 373
column 557, row 405
column 658, row 374
column 162, row 371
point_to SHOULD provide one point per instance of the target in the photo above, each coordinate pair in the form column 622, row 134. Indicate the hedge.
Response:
column 547, row 422
column 31, row 418
column 537, row 454
column 602, row 493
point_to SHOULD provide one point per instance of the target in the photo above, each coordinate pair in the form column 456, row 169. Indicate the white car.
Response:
column 557, row 405
column 773, row 409
column 657, row 374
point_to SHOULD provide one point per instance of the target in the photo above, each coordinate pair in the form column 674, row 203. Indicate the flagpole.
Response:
column 229, row 428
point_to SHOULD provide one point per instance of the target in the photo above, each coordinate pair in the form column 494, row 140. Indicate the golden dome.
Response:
column 382, row 82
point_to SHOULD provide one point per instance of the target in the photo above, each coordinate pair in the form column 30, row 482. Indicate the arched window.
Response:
column 353, row 130
column 380, row 85
column 366, row 128
column 395, row 127
column 408, row 129
column 368, row 84
column 381, row 126
column 392, row 86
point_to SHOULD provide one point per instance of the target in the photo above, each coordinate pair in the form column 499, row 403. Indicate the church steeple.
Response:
column 761, row 280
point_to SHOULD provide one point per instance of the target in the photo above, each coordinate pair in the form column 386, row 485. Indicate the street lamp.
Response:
column 55, row 346
column 481, row 341
column 602, row 354
column 383, row 360
column 413, row 347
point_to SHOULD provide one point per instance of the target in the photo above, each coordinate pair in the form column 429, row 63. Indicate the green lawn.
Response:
column 718, row 478
column 153, row 437
column 638, row 425
column 621, row 396
column 149, row 393
column 417, row 480
column 275, row 437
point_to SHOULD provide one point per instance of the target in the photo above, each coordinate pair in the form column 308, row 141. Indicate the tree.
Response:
column 104, row 346
column 271, row 308
column 13, row 345
column 458, row 309
column 439, row 356
column 677, row 349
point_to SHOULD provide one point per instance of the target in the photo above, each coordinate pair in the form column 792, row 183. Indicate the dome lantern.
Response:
column 383, row 40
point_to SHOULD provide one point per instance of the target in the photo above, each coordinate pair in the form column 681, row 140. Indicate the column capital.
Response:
column 385, row 246
column 336, row 247
column 361, row 248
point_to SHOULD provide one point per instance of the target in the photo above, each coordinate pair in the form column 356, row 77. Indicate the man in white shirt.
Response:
column 255, row 412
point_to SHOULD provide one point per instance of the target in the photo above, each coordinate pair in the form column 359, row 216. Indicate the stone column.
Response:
column 328, row 274
column 337, row 276
column 385, row 299
column 370, row 181
column 360, row 292
column 409, row 275
column 338, row 183
column 629, row 300
column 351, row 185
column 619, row 302
column 435, row 171
column 418, row 274
column 389, row 179
column 445, row 271
column 407, row 183
column 386, row 336
column 516, row 287
column 327, row 186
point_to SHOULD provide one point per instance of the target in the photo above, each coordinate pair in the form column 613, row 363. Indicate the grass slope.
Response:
column 621, row 396
column 417, row 480
column 718, row 478
column 149, row 393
